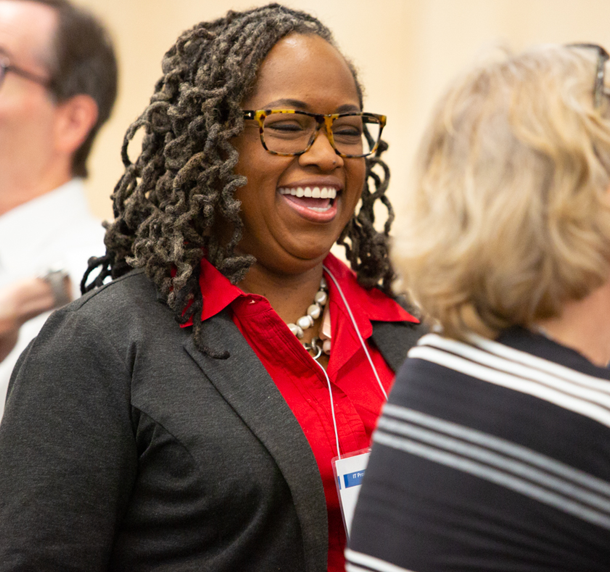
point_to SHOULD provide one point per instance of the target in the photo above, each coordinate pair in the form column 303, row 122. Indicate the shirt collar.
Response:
column 218, row 293
column 216, row 290
column 372, row 304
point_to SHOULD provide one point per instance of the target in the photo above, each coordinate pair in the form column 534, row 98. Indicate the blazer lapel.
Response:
column 245, row 384
column 395, row 339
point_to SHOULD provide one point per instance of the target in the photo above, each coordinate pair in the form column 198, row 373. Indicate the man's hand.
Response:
column 21, row 302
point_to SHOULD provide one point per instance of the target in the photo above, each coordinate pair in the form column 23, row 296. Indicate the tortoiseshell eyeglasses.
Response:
column 288, row 132
column 599, row 89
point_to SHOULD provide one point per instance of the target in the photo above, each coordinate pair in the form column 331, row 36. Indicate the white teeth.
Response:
column 314, row 193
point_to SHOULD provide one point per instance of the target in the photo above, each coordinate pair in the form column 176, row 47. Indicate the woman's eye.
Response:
column 347, row 131
column 284, row 126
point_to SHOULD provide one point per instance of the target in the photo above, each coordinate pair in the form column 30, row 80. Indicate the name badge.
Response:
column 349, row 471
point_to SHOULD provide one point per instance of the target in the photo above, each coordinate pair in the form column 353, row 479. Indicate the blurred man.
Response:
column 58, row 82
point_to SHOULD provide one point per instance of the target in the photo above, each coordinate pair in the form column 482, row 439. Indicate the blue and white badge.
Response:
column 349, row 470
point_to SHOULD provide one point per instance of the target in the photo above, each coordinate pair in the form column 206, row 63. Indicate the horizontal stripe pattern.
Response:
column 545, row 365
column 509, row 368
column 358, row 562
column 498, row 461
column 489, row 457
column 501, row 446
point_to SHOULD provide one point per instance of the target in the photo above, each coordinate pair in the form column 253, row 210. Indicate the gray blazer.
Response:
column 125, row 448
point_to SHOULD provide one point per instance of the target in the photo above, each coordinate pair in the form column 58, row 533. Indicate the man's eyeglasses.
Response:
column 288, row 132
column 599, row 89
column 6, row 66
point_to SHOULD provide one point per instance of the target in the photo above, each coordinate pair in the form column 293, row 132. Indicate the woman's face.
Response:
column 289, row 234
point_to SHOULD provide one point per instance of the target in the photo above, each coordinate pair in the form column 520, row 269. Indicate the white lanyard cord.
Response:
column 332, row 407
column 366, row 351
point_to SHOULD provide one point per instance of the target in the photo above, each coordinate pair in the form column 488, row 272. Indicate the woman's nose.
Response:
column 321, row 153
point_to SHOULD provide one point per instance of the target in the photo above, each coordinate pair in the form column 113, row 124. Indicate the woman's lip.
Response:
column 313, row 209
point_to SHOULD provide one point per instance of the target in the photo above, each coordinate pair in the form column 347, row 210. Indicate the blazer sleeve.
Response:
column 67, row 451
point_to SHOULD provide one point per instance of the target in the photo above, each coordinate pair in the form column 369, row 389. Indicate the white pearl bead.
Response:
column 321, row 297
column 323, row 284
column 305, row 322
column 314, row 311
column 296, row 330
column 326, row 347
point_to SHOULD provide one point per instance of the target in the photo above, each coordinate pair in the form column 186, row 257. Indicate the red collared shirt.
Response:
column 357, row 396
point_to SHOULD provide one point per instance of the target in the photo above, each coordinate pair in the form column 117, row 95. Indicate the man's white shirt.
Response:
column 53, row 231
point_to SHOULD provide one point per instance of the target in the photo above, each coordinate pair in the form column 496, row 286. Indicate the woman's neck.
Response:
column 289, row 295
column 584, row 326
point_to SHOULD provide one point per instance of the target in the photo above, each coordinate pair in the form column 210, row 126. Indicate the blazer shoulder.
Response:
column 128, row 308
column 132, row 289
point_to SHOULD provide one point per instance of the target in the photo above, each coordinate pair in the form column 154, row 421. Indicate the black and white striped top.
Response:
column 489, row 456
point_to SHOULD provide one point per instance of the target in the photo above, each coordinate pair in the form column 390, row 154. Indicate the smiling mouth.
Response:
column 317, row 199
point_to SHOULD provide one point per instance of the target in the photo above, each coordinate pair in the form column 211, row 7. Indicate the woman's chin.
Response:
column 293, row 261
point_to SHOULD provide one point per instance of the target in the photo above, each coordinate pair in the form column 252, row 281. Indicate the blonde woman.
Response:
column 494, row 450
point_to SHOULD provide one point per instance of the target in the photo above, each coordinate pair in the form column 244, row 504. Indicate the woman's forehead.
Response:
column 304, row 68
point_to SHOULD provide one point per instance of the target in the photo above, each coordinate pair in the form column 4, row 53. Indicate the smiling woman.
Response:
column 194, row 405
column 286, row 233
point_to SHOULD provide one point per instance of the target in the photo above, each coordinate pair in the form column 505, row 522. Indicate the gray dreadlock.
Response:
column 168, row 203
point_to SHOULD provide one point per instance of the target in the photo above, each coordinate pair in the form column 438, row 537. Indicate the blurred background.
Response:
column 406, row 50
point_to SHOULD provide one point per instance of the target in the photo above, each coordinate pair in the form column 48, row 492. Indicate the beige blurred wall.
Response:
column 406, row 50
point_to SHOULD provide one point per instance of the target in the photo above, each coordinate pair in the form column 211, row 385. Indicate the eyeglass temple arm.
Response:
column 7, row 66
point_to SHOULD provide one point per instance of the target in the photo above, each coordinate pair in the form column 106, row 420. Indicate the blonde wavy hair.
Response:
column 510, row 214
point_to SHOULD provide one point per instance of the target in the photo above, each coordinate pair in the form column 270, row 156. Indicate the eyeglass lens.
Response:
column 292, row 133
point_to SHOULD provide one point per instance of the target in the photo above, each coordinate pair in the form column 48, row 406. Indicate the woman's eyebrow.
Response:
column 301, row 105
column 288, row 103
column 348, row 108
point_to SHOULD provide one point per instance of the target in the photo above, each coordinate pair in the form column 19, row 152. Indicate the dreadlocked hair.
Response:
column 169, row 202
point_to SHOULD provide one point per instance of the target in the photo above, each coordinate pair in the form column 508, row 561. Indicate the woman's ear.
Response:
column 75, row 119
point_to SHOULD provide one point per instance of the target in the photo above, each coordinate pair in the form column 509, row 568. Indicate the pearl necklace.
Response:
column 314, row 311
